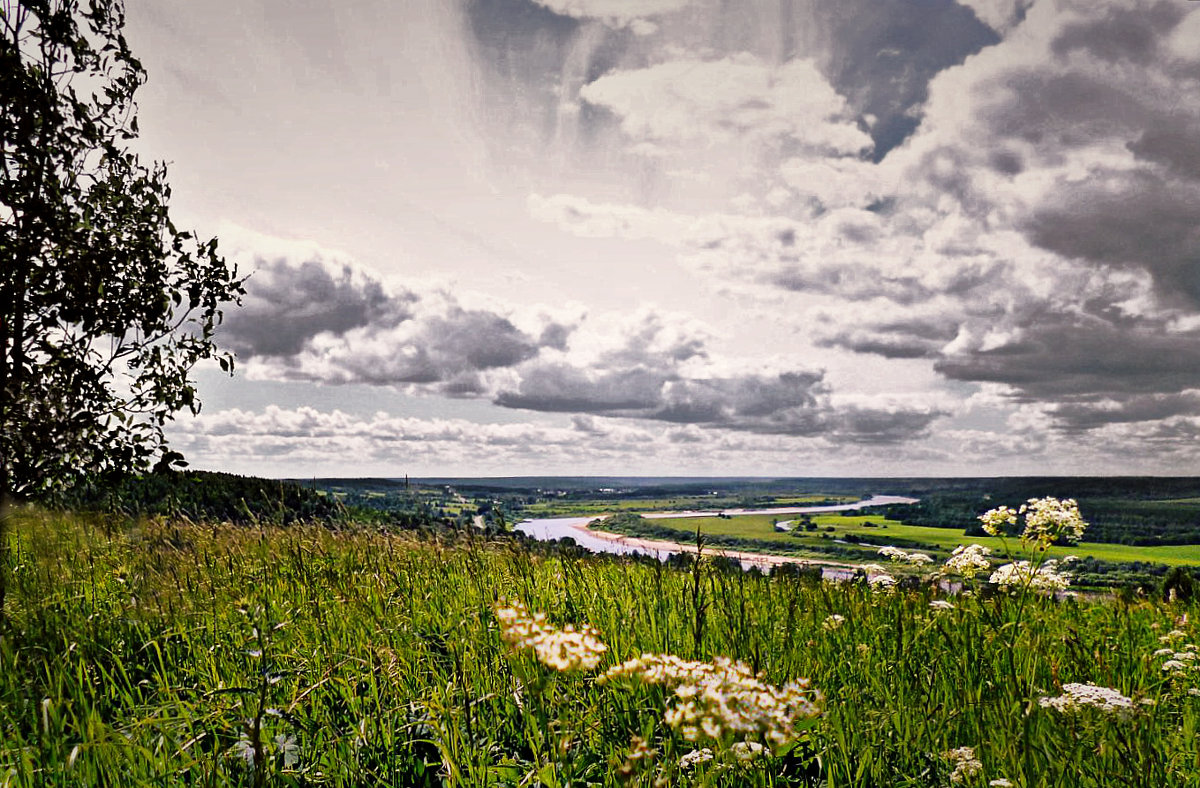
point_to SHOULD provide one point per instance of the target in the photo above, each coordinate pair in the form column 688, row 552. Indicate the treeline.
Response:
column 1117, row 514
column 205, row 496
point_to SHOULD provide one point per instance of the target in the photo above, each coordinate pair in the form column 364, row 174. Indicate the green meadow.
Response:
column 175, row 654
column 760, row 528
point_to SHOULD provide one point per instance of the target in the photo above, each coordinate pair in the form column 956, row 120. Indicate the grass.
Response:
column 563, row 508
column 760, row 528
column 182, row 655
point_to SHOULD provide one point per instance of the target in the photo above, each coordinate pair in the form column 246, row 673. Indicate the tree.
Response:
column 105, row 306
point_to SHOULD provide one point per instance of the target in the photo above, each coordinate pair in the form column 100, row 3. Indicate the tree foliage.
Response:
column 105, row 306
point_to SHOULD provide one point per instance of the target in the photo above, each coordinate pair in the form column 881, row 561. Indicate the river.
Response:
column 576, row 528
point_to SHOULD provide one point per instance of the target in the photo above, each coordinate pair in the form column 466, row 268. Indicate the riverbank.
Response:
column 763, row 561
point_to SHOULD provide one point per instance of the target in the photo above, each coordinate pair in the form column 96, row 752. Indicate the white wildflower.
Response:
column 995, row 520
column 1021, row 574
column 1001, row 782
column 747, row 750
column 722, row 697
column 881, row 582
column 968, row 560
column 1162, row 652
column 966, row 765
column 836, row 620
column 1048, row 520
column 941, row 604
column 561, row 649
column 900, row 556
column 695, row 757
column 1173, row 664
column 1079, row 696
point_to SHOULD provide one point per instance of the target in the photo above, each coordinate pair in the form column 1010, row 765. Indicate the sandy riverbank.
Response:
column 652, row 546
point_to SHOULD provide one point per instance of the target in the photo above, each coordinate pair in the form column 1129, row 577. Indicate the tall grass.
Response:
column 168, row 655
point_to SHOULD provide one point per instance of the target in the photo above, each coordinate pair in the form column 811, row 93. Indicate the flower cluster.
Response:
column 1077, row 697
column 968, row 560
column 833, row 622
column 695, row 757
column 1181, row 660
column 995, row 520
column 881, row 582
column 966, row 765
column 722, row 699
column 561, row 649
column 898, row 555
column 1047, row 520
column 941, row 604
column 1022, row 574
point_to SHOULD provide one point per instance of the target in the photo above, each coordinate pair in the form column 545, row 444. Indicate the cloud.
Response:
column 738, row 98
column 616, row 13
column 1000, row 15
column 288, row 304
column 311, row 319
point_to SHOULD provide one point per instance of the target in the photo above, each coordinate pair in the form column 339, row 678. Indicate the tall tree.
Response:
column 105, row 306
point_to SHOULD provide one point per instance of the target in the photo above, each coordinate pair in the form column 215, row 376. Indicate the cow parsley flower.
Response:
column 996, row 519
column 834, row 621
column 966, row 765
column 1048, row 520
column 941, row 604
column 1077, row 696
column 1022, row 574
column 565, row 649
column 882, row 582
column 694, row 758
column 723, row 699
column 900, row 556
column 968, row 560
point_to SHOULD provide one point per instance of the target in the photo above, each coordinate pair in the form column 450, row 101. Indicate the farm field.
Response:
column 760, row 528
column 175, row 654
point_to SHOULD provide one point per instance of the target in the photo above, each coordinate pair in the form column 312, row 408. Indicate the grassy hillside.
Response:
column 212, row 655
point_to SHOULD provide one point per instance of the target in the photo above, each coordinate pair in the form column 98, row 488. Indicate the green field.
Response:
column 173, row 654
column 760, row 528
column 583, row 508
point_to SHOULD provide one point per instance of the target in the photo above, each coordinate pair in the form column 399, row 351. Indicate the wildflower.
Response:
column 836, row 620
column 723, row 698
column 1048, row 519
column 695, row 757
column 1076, row 697
column 565, row 649
column 747, row 750
column 1021, row 574
column 966, row 765
column 968, row 560
column 881, row 582
column 1174, row 664
column 1174, row 634
column 899, row 556
column 995, row 520
column 1000, row 782
column 941, row 604
column 1162, row 652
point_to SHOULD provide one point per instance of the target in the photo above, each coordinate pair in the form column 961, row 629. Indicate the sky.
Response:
column 690, row 237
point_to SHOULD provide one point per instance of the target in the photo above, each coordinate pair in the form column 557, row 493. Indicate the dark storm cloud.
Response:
column 795, row 403
column 1120, row 34
column 1064, row 358
column 337, row 324
column 1144, row 219
column 883, row 54
column 916, row 338
column 287, row 304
